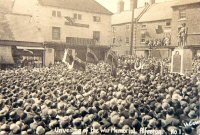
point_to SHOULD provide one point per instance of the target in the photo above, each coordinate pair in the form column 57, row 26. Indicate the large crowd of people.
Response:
column 42, row 100
column 196, row 64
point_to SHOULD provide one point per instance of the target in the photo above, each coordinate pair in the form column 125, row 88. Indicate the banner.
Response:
column 111, row 58
column 72, row 61
column 79, row 64
column 70, row 56
column 65, row 56
column 91, row 57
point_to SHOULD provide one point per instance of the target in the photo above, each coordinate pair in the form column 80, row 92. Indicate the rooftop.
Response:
column 80, row 5
column 158, row 11
column 185, row 2
column 125, row 16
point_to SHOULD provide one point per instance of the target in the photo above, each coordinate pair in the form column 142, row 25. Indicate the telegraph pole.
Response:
column 132, row 27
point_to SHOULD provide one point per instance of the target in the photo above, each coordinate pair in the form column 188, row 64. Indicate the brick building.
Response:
column 155, row 25
column 73, row 22
column 19, row 37
column 121, row 26
column 28, row 26
column 188, row 12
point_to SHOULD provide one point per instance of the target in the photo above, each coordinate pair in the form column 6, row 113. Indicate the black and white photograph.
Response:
column 99, row 67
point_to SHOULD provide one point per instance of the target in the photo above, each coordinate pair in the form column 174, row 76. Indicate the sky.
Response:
column 112, row 4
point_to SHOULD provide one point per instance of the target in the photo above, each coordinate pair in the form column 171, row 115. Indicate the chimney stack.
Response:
column 120, row 6
column 133, row 4
column 151, row 2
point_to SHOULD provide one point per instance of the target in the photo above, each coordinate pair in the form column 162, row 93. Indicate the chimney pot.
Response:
column 152, row 2
column 120, row 6
column 133, row 4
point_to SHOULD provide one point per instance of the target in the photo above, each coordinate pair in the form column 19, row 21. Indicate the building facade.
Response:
column 121, row 26
column 187, row 12
column 77, row 21
column 19, row 38
column 155, row 31
column 28, row 28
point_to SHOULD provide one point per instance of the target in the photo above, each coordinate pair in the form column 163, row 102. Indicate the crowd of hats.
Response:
column 150, row 64
column 196, row 64
column 37, row 101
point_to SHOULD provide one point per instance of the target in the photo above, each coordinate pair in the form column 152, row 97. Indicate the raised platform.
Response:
column 181, row 61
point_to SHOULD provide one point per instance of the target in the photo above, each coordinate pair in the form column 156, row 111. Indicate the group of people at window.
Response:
column 166, row 41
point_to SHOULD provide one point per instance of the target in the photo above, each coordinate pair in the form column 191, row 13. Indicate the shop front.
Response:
column 28, row 56
column 20, row 54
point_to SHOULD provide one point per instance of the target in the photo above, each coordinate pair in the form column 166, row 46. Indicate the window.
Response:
column 127, row 40
column 54, row 13
column 168, row 23
column 182, row 14
column 56, row 33
column 96, row 18
column 114, row 40
column 75, row 16
column 143, row 36
column 127, row 27
column 127, row 52
column 119, row 39
column 58, row 14
column 143, row 26
column 79, row 17
column 96, row 35
column 113, row 29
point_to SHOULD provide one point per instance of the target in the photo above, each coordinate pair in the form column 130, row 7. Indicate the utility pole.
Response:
column 132, row 27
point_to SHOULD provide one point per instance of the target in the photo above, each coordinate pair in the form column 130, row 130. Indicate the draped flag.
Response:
column 68, row 59
column 72, row 61
column 70, row 56
column 65, row 56
column 91, row 57
column 112, row 58
column 79, row 64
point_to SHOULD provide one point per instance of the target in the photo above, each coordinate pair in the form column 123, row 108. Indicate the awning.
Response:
column 30, row 48
column 6, row 55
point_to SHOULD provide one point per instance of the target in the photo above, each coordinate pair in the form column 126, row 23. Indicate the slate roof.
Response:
column 80, row 5
column 158, row 11
column 125, row 16
column 186, row 2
